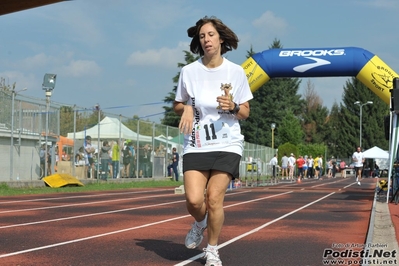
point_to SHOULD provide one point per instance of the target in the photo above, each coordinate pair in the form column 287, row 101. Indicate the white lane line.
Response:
column 328, row 183
column 82, row 204
column 126, row 229
column 99, row 213
column 90, row 215
column 201, row 255
column 82, row 196
column 249, row 201
column 351, row 184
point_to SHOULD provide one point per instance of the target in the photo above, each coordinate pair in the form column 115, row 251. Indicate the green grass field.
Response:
column 5, row 190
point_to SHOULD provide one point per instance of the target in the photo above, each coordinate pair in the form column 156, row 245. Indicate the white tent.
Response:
column 109, row 129
column 376, row 153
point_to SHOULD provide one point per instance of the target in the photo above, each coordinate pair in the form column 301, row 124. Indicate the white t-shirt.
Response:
column 358, row 158
column 273, row 161
column 213, row 129
column 291, row 161
column 284, row 161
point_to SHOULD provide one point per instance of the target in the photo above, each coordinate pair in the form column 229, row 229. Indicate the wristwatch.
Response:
column 235, row 110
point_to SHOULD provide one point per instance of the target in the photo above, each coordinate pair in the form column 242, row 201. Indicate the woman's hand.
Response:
column 186, row 121
column 225, row 101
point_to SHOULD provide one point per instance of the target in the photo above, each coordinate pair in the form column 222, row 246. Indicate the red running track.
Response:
column 285, row 224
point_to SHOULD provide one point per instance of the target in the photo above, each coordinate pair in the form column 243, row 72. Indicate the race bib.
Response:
column 215, row 133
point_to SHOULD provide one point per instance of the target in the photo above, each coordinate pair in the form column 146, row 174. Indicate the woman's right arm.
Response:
column 187, row 116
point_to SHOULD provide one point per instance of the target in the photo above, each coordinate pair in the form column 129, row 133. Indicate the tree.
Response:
column 142, row 127
column 66, row 116
column 290, row 129
column 6, row 88
column 67, row 120
column 314, row 115
column 269, row 106
column 333, row 135
column 372, row 118
column 92, row 119
column 170, row 117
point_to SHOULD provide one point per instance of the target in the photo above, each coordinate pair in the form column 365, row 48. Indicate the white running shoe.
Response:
column 358, row 182
column 195, row 235
column 212, row 257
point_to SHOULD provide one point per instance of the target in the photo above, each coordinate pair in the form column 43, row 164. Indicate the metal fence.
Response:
column 23, row 116
column 28, row 116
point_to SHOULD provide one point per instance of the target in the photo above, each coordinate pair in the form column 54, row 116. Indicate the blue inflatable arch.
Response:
column 321, row 62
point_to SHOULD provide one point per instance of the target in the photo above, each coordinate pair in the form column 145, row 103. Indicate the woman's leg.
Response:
column 194, row 187
column 216, row 189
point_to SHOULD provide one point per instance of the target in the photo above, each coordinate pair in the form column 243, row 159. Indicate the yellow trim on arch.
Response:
column 378, row 77
column 255, row 74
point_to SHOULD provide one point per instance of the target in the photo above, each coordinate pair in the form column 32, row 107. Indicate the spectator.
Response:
column 320, row 166
column 305, row 167
column 376, row 171
column 291, row 166
column 80, row 157
column 300, row 162
column 150, row 160
column 126, row 160
column 174, row 164
column 48, row 157
column 342, row 168
column 316, row 167
column 273, row 163
column 116, row 157
column 284, row 166
column 42, row 155
column 104, row 157
column 132, row 160
column 329, row 168
column 89, row 151
column 310, row 167
column 144, row 159
column 334, row 167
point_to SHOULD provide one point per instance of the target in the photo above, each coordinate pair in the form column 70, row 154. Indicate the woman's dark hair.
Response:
column 230, row 39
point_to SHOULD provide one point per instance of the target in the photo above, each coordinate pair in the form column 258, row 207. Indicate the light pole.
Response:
column 273, row 126
column 13, row 93
column 48, row 86
column 361, row 106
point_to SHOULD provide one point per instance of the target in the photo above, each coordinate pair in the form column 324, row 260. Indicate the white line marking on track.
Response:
column 127, row 229
column 253, row 231
column 83, row 196
column 351, row 184
column 100, row 213
column 81, row 204
column 90, row 215
column 327, row 183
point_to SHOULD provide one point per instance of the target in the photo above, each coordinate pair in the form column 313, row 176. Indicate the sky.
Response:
column 123, row 54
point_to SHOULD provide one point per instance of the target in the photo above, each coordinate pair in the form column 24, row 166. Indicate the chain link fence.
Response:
column 30, row 118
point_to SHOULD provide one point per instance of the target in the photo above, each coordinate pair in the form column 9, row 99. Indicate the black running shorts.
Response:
column 222, row 161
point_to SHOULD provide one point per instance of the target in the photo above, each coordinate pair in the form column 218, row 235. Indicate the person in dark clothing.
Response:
column 174, row 164
column 104, row 156
column 334, row 167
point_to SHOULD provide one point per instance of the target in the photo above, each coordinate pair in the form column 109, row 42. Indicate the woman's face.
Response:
column 210, row 40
